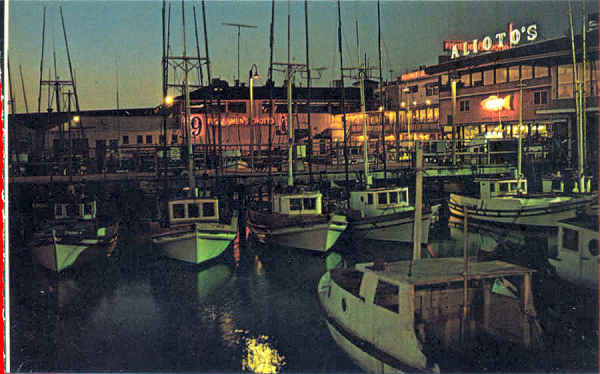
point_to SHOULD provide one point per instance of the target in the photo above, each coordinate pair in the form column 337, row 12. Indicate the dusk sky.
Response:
column 126, row 36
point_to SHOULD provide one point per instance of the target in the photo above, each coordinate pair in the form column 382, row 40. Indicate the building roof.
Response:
column 537, row 48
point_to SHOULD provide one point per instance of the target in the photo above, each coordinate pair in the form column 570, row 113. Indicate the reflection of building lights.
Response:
column 261, row 358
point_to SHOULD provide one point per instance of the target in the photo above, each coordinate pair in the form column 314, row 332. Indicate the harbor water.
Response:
column 254, row 309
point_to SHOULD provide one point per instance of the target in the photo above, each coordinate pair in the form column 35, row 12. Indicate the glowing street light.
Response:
column 168, row 100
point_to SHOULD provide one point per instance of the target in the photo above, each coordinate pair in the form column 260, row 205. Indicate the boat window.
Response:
column 295, row 204
column 593, row 247
column 178, row 211
column 310, row 203
column 72, row 210
column 569, row 239
column 404, row 196
column 370, row 199
column 208, row 210
column 348, row 279
column 58, row 210
column 382, row 198
column 87, row 209
column 513, row 186
column 503, row 187
column 393, row 197
column 386, row 295
column 492, row 187
column 193, row 211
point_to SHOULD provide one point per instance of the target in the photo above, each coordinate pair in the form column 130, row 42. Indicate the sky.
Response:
column 112, row 41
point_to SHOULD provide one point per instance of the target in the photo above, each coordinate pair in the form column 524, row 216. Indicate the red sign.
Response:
column 413, row 75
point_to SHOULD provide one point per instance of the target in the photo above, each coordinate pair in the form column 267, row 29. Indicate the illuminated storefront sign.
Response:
column 495, row 103
column 413, row 75
column 500, row 41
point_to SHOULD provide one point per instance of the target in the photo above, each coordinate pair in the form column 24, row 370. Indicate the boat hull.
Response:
column 195, row 243
column 394, row 227
column 58, row 253
column 519, row 212
column 314, row 235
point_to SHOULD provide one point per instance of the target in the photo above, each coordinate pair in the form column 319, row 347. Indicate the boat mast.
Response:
column 583, row 101
column 10, row 90
column 289, row 99
column 361, row 77
column 578, row 94
column 42, row 59
column 186, row 93
column 381, row 102
column 23, row 85
column 308, row 85
column 271, row 112
column 343, row 98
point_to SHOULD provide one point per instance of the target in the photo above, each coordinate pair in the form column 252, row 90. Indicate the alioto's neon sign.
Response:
column 500, row 41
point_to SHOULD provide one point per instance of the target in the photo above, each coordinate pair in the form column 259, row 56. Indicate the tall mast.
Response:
column 308, row 85
column 271, row 84
column 200, row 76
column 363, row 111
column 10, row 90
column 206, row 45
column 24, row 94
column 577, row 107
column 381, row 102
column 343, row 97
column 583, row 100
column 190, row 148
column 42, row 59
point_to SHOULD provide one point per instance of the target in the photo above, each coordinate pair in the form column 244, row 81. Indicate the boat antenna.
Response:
column 381, row 102
column 239, row 27
column 343, row 99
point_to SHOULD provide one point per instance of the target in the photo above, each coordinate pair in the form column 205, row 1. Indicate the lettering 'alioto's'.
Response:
column 486, row 43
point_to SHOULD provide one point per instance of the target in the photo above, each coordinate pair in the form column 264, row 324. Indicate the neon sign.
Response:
column 495, row 103
column 503, row 40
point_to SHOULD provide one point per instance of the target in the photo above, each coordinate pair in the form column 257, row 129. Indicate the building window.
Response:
column 477, row 79
column 237, row 107
column 125, row 139
column 466, row 79
column 114, row 144
column 565, row 81
column 414, row 88
column 140, row 139
column 431, row 89
column 540, row 72
column 540, row 97
column 444, row 79
column 501, row 75
column 464, row 106
column 526, row 72
column 488, row 77
column 174, row 139
column 513, row 73
column 148, row 139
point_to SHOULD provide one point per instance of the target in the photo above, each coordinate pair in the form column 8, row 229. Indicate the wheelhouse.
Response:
column 489, row 188
column 374, row 202
column 79, row 211
column 191, row 210
column 309, row 203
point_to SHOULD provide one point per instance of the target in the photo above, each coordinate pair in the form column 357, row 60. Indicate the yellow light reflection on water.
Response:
column 261, row 357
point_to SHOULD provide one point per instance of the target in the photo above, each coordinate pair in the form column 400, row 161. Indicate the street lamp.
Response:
column 252, row 75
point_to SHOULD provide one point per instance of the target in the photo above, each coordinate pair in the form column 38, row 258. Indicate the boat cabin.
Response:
column 425, row 300
column 490, row 188
column 193, row 210
column 79, row 211
column 304, row 203
column 576, row 257
column 378, row 201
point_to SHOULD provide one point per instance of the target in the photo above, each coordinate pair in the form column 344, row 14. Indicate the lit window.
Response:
column 540, row 71
column 513, row 73
column 501, row 75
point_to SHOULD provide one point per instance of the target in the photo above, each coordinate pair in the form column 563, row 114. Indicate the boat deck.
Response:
column 441, row 270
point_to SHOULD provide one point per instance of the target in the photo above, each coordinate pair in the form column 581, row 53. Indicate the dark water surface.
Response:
column 255, row 310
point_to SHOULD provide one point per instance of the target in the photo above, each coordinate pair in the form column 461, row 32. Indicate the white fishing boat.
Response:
column 400, row 316
column 74, row 236
column 505, row 201
column 198, row 230
column 576, row 256
column 297, row 220
column 386, row 214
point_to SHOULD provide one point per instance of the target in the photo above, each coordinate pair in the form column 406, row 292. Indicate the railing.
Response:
column 325, row 156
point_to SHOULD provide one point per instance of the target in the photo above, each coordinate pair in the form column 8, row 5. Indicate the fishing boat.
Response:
column 73, row 236
column 576, row 256
column 506, row 202
column 198, row 229
column 386, row 214
column 401, row 316
column 297, row 220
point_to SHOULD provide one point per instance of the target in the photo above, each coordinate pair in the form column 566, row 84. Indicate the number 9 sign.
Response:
column 196, row 126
